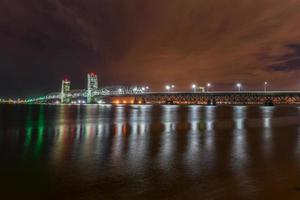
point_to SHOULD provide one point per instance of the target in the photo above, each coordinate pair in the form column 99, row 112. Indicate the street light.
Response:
column 168, row 88
column 207, row 86
column 266, row 84
column 239, row 85
column 194, row 87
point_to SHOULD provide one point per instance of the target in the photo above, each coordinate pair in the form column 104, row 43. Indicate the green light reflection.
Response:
column 41, row 128
column 28, row 130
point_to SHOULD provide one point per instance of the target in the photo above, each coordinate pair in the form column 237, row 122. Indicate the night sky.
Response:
column 151, row 42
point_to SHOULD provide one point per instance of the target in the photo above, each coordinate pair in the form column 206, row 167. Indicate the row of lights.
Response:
column 208, row 85
column 74, row 102
column 124, row 102
column 120, row 90
column 170, row 88
column 239, row 86
column 194, row 87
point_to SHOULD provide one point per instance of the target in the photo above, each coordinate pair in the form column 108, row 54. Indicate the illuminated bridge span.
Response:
column 93, row 93
column 205, row 98
column 75, row 96
column 215, row 98
column 141, row 95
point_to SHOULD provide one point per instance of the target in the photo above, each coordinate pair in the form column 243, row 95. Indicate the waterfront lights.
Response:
column 100, row 102
column 120, row 90
column 81, row 102
column 208, row 85
column 266, row 84
column 194, row 87
column 239, row 85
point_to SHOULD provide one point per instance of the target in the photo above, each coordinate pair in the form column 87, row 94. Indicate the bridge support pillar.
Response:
column 269, row 102
column 211, row 102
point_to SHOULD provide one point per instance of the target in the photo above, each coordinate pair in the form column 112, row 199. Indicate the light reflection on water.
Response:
column 168, row 138
column 239, row 146
column 141, row 145
column 140, row 120
column 267, row 114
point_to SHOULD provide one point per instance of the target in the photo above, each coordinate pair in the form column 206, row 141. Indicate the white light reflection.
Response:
column 239, row 146
column 192, row 157
column 87, row 142
column 267, row 114
column 209, row 117
column 120, row 129
column 78, row 123
column 200, row 148
column 103, row 123
column 85, row 146
column 169, row 119
column 60, row 136
column 140, row 119
column 90, row 114
column 239, row 154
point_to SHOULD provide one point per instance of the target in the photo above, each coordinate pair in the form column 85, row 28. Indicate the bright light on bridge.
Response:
column 266, row 84
column 239, row 85
column 194, row 87
column 168, row 88
column 208, row 86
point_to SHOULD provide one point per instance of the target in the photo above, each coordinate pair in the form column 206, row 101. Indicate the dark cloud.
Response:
column 288, row 62
column 149, row 41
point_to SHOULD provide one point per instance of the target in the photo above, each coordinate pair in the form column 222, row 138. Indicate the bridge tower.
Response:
column 92, row 86
column 65, row 90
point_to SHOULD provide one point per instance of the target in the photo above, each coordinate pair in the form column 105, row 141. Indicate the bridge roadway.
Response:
column 205, row 98
column 213, row 98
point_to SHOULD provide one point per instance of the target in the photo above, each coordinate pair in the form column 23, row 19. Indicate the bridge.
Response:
column 142, row 95
column 221, row 98
column 196, row 98
column 82, row 95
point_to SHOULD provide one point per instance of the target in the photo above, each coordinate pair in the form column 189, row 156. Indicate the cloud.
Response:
column 288, row 62
column 152, row 41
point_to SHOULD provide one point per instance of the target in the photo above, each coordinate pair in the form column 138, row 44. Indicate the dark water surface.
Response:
column 149, row 152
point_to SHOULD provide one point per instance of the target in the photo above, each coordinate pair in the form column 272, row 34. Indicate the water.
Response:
column 149, row 152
